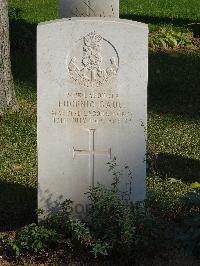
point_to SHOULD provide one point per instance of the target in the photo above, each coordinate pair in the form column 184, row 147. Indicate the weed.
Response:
column 170, row 38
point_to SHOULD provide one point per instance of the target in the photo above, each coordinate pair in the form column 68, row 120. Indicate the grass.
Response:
column 178, row 13
column 174, row 100
column 34, row 11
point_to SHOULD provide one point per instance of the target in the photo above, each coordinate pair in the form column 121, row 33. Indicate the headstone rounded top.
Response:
column 95, row 20
column 89, row 8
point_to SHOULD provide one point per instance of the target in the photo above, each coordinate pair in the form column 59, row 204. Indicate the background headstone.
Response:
column 89, row 8
column 92, row 107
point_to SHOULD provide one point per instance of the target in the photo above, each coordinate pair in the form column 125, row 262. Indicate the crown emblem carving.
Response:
column 88, row 71
column 93, row 39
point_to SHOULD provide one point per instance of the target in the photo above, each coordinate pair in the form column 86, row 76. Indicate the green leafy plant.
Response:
column 113, row 225
column 33, row 238
column 109, row 224
column 170, row 38
column 110, row 219
column 110, row 215
column 69, row 227
column 127, row 228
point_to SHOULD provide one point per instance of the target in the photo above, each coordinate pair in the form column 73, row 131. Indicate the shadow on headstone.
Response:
column 49, row 201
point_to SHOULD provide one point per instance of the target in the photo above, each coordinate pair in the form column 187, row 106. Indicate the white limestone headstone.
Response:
column 89, row 8
column 92, row 107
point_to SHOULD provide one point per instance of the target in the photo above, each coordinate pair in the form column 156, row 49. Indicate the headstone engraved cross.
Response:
column 91, row 152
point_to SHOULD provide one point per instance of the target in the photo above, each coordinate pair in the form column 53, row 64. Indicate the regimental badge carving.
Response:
column 97, row 64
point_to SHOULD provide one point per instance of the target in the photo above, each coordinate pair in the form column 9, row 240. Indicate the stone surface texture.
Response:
column 92, row 107
column 89, row 8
